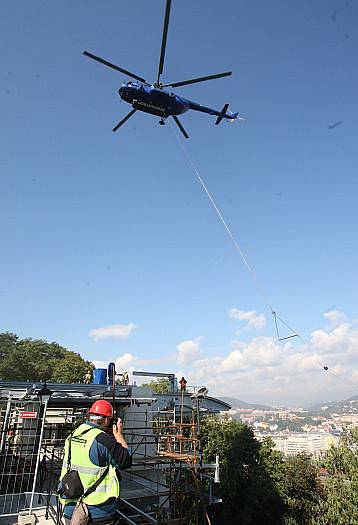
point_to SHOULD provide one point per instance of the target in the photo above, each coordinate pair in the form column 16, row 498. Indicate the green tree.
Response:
column 249, row 494
column 159, row 386
column 339, row 502
column 39, row 360
column 300, row 489
column 296, row 480
column 258, row 485
column 71, row 368
column 7, row 344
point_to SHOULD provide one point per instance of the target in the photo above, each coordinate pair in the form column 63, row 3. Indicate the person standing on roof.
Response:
column 183, row 383
column 96, row 455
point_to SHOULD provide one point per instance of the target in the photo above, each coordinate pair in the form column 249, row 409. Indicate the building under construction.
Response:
column 162, row 431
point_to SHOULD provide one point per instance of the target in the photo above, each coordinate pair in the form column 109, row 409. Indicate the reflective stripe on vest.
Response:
column 88, row 471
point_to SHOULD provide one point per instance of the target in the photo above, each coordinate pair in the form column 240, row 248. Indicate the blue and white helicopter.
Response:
column 153, row 98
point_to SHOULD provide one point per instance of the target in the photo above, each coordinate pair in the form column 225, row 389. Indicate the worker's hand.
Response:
column 117, row 432
column 117, row 428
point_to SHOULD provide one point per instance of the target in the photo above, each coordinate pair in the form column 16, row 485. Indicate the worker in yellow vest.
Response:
column 89, row 466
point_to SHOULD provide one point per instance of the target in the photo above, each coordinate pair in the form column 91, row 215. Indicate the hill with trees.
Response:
column 347, row 406
column 238, row 403
column 38, row 360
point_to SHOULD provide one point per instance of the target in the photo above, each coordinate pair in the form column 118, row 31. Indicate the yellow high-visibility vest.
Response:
column 88, row 471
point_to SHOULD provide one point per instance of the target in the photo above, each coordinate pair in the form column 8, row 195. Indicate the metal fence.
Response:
column 21, row 433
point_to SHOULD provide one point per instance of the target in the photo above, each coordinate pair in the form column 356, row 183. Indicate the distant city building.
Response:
column 312, row 443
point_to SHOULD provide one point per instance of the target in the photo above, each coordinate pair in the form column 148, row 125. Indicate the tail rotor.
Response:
column 222, row 115
column 228, row 115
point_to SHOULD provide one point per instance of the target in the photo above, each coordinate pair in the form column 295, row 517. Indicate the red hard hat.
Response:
column 101, row 408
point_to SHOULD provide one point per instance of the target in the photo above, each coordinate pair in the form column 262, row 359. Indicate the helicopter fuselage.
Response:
column 153, row 100
column 160, row 102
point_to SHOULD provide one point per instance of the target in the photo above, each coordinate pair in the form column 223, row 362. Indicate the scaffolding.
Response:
column 163, row 433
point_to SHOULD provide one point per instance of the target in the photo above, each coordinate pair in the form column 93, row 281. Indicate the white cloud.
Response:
column 231, row 362
column 252, row 319
column 338, row 369
column 260, row 351
column 331, row 341
column 125, row 362
column 267, row 371
column 100, row 364
column 308, row 362
column 335, row 317
column 188, row 350
column 115, row 331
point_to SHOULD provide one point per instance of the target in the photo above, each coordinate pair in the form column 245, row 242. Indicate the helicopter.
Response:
column 154, row 99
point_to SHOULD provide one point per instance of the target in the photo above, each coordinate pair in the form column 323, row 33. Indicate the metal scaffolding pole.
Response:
column 44, row 410
column 6, row 421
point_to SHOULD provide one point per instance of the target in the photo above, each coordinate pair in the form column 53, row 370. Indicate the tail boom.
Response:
column 223, row 114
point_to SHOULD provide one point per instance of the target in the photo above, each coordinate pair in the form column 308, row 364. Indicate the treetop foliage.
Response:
column 159, row 386
column 339, row 504
column 38, row 360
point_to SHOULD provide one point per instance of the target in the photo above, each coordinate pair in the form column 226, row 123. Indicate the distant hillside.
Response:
column 337, row 407
column 238, row 403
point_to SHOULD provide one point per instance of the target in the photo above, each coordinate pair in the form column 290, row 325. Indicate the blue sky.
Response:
column 101, row 229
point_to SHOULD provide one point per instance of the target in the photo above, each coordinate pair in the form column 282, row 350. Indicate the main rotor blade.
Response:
column 180, row 127
column 164, row 38
column 113, row 66
column 124, row 120
column 199, row 79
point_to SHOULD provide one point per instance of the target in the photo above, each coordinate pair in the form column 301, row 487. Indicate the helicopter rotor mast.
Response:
column 164, row 41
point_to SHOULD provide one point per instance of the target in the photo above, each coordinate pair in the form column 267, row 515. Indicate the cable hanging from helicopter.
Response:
column 277, row 319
